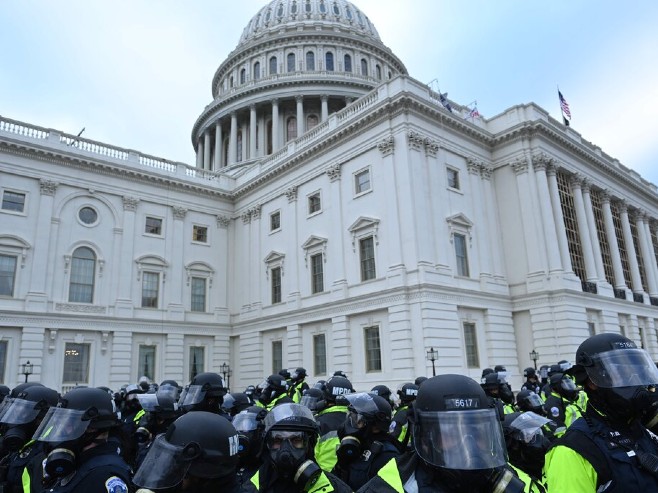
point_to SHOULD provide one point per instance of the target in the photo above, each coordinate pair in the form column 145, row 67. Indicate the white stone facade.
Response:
column 377, row 225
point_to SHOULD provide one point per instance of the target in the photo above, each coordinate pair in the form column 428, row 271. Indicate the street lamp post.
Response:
column 433, row 355
column 226, row 372
column 27, row 369
column 534, row 356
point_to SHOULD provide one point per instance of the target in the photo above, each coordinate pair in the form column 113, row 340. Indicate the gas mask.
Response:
column 506, row 395
column 15, row 437
column 623, row 404
column 352, row 434
column 288, row 451
column 62, row 460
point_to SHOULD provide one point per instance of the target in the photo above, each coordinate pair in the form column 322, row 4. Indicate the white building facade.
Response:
column 338, row 216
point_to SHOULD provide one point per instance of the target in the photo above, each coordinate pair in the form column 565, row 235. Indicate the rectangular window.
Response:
column 471, row 345
column 319, row 355
column 197, row 356
column 277, row 356
column 314, row 203
column 275, row 221
column 276, row 286
column 81, row 287
column 362, row 181
column 317, row 275
column 150, row 288
column 153, row 226
column 453, row 178
column 461, row 255
column 76, row 363
column 367, row 258
column 200, row 234
column 591, row 327
column 146, row 362
column 13, row 201
column 3, row 360
column 198, row 294
column 373, row 349
column 7, row 275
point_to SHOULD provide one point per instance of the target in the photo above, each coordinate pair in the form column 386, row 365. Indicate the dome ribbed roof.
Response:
column 289, row 13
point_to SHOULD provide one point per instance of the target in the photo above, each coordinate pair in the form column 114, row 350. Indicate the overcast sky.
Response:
column 136, row 74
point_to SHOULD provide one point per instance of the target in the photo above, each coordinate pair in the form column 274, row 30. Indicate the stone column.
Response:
column 533, row 246
column 324, row 99
column 275, row 125
column 175, row 307
column 481, row 235
column 218, row 146
column 646, row 250
column 233, row 140
column 593, row 232
column 539, row 164
column 199, row 154
column 243, row 155
column 611, row 235
column 124, row 301
column 560, row 231
column 252, row 131
column 206, row 149
column 497, row 260
column 583, row 230
column 300, row 115
column 636, row 279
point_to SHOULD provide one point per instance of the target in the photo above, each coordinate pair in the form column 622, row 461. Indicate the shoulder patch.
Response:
column 116, row 485
column 555, row 412
column 392, row 427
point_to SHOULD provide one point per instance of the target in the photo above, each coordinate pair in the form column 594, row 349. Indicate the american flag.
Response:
column 564, row 105
column 474, row 113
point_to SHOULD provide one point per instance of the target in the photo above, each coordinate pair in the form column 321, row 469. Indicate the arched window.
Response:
column 329, row 61
column 83, row 269
column 348, row 63
column 293, row 7
column 268, row 136
column 243, row 76
column 273, row 65
column 336, row 9
column 230, row 84
column 291, row 128
column 238, row 158
column 378, row 70
column 308, row 6
column 364, row 66
column 279, row 12
column 310, row 60
column 311, row 121
column 323, row 7
column 256, row 70
column 291, row 62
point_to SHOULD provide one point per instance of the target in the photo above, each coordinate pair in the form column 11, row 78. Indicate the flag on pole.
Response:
column 443, row 97
column 564, row 106
column 474, row 113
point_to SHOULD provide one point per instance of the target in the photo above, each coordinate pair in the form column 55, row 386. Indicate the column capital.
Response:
column 222, row 221
column 299, row 98
column 130, row 203
column 48, row 187
column 333, row 172
column 576, row 181
column 179, row 212
column 431, row 147
column 486, row 171
column 623, row 206
column 386, row 146
column 473, row 166
column 275, row 101
column 324, row 97
column 586, row 185
column 414, row 140
column 551, row 169
column 234, row 114
column 252, row 107
column 520, row 165
column 291, row 193
column 540, row 161
column 605, row 196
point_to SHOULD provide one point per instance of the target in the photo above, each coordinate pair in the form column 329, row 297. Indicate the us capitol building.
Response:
column 338, row 216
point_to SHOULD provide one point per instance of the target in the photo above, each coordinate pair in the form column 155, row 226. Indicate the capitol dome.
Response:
column 297, row 62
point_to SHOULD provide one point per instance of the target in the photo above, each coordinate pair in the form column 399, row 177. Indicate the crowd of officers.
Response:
column 582, row 427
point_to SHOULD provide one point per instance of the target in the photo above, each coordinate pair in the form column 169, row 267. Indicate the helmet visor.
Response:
column 527, row 426
column 622, row 368
column 4, row 405
column 465, row 440
column 20, row 412
column 310, row 401
column 534, row 400
column 164, row 466
column 294, row 414
column 61, row 424
column 362, row 403
column 245, row 421
column 193, row 394
column 149, row 402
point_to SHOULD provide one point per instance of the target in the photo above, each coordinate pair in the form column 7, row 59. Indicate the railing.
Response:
column 620, row 293
column 20, row 128
column 589, row 287
column 638, row 297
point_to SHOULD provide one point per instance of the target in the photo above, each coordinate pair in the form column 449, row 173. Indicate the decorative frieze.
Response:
column 222, row 221
column 333, row 172
column 386, row 146
column 179, row 212
column 82, row 308
column 291, row 193
column 130, row 203
column 48, row 187
column 415, row 140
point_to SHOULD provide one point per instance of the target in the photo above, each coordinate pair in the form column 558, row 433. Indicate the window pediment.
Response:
column 199, row 269
column 315, row 244
column 364, row 226
column 460, row 223
column 153, row 263
column 15, row 245
column 272, row 260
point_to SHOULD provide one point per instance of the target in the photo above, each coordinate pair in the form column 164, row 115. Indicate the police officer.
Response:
column 526, row 446
column 385, row 392
column 609, row 448
column 274, row 391
column 499, row 392
column 249, row 425
column 314, row 399
column 19, row 422
column 288, row 466
column 205, row 392
column 365, row 444
column 297, row 384
column 81, row 458
column 458, row 444
column 559, row 405
column 330, row 419
column 197, row 454
column 131, row 415
column 531, row 381
column 399, row 426
column 161, row 411
column 235, row 403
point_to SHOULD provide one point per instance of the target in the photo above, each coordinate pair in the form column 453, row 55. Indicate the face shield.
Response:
column 245, row 421
column 311, row 402
column 61, row 425
column 361, row 403
column 462, row 439
column 21, row 411
column 534, row 400
column 288, row 416
column 165, row 465
column 622, row 368
column 4, row 405
column 193, row 394
column 527, row 427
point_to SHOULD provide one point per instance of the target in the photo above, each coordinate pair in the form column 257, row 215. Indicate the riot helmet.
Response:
column 382, row 391
column 314, row 399
column 299, row 374
column 337, row 387
column 419, row 380
column 526, row 400
column 501, row 370
column 4, row 392
column 530, row 373
column 235, row 402
column 274, row 386
column 22, row 386
column 563, row 386
column 204, row 393
column 161, row 410
column 249, row 425
column 24, row 413
column 487, row 371
column 130, row 401
column 525, row 441
column 199, row 444
column 407, row 393
column 285, row 373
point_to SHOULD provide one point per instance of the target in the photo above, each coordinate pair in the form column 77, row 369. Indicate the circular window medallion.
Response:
column 88, row 215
